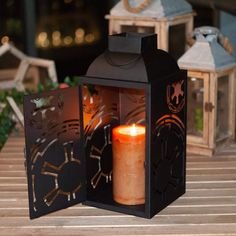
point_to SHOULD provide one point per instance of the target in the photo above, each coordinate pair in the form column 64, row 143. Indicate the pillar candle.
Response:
column 128, row 149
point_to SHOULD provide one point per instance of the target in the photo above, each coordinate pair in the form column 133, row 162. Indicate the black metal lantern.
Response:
column 117, row 141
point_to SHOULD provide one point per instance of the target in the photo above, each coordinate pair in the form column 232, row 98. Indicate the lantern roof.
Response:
column 156, row 9
column 133, row 57
column 206, row 55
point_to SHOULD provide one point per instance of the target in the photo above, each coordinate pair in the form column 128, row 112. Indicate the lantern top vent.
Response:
column 132, row 42
column 156, row 8
column 206, row 54
column 133, row 57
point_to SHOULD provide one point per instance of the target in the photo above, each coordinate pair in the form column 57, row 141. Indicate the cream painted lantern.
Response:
column 169, row 19
column 20, row 71
column 211, row 93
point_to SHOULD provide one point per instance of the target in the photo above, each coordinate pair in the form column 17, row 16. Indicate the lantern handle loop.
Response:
column 138, row 8
column 129, row 63
column 210, row 33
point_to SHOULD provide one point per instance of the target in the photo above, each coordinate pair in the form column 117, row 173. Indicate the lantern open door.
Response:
column 54, row 151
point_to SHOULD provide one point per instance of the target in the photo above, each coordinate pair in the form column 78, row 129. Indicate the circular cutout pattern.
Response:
column 69, row 176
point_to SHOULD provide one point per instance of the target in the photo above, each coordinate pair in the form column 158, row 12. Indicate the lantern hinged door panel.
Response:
column 198, row 118
column 54, row 151
column 224, row 106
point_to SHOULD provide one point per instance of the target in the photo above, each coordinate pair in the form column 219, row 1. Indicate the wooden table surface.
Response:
column 207, row 208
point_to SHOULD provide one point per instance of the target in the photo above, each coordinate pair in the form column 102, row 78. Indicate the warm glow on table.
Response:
column 128, row 147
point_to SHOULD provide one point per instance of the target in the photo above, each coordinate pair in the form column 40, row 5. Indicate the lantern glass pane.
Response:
column 9, row 61
column 9, row 64
column 195, row 102
column 34, row 76
column 138, row 29
column 222, row 117
column 177, row 40
column 114, row 129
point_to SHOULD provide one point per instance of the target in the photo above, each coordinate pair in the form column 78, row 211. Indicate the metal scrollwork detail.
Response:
column 175, row 96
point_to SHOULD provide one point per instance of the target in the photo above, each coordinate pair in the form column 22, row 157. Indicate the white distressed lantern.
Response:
column 169, row 19
column 211, row 93
column 20, row 71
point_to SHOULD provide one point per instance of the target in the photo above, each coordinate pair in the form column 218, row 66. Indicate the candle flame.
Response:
column 133, row 130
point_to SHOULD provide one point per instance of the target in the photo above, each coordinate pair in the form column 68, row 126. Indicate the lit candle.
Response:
column 128, row 147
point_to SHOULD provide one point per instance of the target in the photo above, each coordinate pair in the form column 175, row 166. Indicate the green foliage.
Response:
column 199, row 119
column 72, row 83
column 49, row 85
column 6, row 122
column 6, row 125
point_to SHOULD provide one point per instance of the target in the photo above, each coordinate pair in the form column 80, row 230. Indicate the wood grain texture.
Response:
column 207, row 208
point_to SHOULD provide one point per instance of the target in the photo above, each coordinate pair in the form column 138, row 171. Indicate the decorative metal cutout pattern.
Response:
column 137, row 115
column 103, row 108
column 53, row 135
column 136, row 98
column 168, row 170
column 98, row 144
column 55, row 164
column 66, row 173
column 100, row 118
column 91, row 100
column 45, row 111
column 62, row 174
column 133, row 110
column 175, row 96
column 98, row 133
column 102, row 155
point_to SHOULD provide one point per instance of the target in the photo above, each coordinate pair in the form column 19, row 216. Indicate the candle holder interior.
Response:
column 104, row 108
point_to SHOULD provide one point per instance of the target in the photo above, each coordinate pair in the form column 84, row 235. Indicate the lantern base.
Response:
column 104, row 199
column 200, row 149
column 205, row 150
